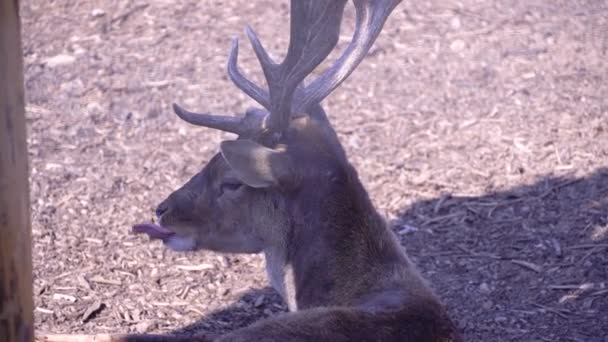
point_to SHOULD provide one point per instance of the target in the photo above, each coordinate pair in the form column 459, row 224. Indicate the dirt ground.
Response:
column 480, row 129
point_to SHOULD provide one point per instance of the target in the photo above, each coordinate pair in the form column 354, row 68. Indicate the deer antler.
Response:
column 371, row 15
column 251, row 122
column 314, row 32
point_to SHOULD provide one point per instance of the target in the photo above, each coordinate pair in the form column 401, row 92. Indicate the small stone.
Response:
column 462, row 323
column 136, row 315
column 92, row 311
column 484, row 288
column 98, row 12
column 94, row 108
column 487, row 305
column 226, row 262
column 153, row 113
column 406, row 229
column 73, row 88
column 455, row 23
column 59, row 60
column 259, row 301
column 528, row 75
column 588, row 304
column 500, row 319
column 457, row 45
column 79, row 51
column 64, row 297
column 556, row 247
column 144, row 326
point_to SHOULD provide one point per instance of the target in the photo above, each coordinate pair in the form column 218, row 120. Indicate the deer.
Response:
column 285, row 188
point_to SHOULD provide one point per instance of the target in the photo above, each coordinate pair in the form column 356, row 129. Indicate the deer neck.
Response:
column 328, row 251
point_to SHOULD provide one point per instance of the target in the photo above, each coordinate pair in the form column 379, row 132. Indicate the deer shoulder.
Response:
column 285, row 188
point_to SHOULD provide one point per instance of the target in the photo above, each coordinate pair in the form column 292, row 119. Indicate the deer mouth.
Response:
column 170, row 238
column 154, row 231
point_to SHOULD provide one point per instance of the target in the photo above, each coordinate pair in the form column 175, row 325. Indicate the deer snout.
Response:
column 161, row 209
column 179, row 205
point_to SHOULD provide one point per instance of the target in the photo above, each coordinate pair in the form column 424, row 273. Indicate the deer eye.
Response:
column 230, row 185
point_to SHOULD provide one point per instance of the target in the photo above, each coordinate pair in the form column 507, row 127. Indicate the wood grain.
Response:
column 16, row 313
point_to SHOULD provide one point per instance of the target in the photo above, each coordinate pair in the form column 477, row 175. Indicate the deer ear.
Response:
column 256, row 165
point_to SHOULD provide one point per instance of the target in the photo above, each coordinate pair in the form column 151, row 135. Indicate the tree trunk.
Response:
column 16, row 313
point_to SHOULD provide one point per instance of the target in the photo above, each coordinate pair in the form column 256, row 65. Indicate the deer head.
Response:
column 287, row 164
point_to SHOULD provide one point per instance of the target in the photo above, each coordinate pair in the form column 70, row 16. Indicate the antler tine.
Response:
column 252, row 120
column 370, row 18
column 268, row 65
column 248, row 87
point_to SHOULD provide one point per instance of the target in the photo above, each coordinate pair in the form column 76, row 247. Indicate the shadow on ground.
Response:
column 530, row 262
column 478, row 251
column 253, row 305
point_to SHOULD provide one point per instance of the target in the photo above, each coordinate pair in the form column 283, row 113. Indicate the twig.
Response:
column 560, row 312
column 158, row 84
column 472, row 209
column 526, row 264
column 92, row 310
column 122, row 17
column 568, row 287
column 436, row 254
column 119, row 338
column 201, row 267
column 170, row 304
column 588, row 245
column 588, row 254
column 599, row 293
column 82, row 338
column 443, row 217
column 44, row 311
column 478, row 32
column 479, row 255
column 440, row 203
column 558, row 186
column 102, row 280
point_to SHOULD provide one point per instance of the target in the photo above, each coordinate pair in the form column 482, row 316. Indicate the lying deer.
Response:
column 285, row 187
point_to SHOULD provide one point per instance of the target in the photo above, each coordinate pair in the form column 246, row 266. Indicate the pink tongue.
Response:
column 154, row 231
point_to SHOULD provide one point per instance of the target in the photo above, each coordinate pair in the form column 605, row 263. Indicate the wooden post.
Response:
column 16, row 312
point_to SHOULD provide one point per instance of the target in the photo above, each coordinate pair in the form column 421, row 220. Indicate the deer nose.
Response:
column 161, row 209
